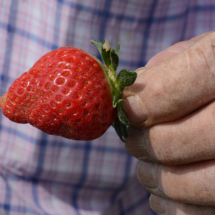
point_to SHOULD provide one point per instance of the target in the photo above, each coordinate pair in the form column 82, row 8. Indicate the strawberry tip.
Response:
column 3, row 100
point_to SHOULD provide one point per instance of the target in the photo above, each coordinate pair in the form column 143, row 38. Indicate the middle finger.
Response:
column 187, row 140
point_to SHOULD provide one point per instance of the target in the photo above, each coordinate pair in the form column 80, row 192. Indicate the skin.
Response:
column 171, row 108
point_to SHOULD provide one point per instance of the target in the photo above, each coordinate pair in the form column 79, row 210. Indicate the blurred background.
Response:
column 44, row 174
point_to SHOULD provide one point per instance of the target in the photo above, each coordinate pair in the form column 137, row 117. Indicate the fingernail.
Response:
column 157, row 204
column 146, row 174
column 135, row 144
column 134, row 111
column 140, row 70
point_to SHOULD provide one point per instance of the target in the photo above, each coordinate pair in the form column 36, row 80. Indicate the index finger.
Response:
column 173, row 88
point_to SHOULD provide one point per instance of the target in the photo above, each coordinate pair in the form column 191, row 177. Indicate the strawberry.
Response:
column 68, row 92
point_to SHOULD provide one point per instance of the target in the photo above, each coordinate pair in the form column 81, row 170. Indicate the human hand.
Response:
column 171, row 108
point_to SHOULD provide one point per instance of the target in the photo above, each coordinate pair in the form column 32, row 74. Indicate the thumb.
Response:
column 174, row 87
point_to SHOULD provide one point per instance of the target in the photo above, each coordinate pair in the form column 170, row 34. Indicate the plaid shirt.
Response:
column 42, row 174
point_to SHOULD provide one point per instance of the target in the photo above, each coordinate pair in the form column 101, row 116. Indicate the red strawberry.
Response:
column 68, row 92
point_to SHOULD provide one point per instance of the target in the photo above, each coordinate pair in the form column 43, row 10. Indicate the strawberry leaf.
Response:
column 98, row 45
column 121, row 115
column 121, row 129
column 106, row 53
column 117, row 49
column 109, row 56
column 126, row 77
column 114, row 60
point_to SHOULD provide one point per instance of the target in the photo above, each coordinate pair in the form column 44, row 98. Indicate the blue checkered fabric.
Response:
column 42, row 174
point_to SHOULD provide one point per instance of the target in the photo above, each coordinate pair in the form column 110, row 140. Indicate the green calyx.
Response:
column 125, row 78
